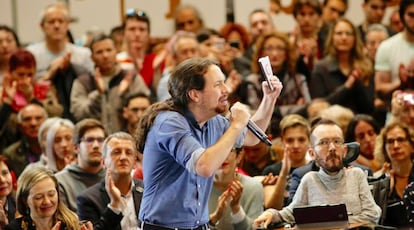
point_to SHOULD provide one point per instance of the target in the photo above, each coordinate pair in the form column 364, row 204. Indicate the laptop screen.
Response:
column 321, row 217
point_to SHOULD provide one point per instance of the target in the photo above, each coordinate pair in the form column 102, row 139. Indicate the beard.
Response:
column 222, row 109
column 94, row 163
column 332, row 163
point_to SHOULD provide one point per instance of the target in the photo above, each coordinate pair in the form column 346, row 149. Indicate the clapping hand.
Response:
column 125, row 82
column 3, row 216
column 113, row 192
column 99, row 80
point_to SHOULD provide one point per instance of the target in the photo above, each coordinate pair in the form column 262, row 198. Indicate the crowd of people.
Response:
column 126, row 133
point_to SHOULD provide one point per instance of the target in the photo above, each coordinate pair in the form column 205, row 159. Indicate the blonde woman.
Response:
column 344, row 75
column 39, row 204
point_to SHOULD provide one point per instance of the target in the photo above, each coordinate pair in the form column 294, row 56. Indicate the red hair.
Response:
column 21, row 58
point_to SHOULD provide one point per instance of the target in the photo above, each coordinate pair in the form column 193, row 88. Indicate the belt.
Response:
column 146, row 226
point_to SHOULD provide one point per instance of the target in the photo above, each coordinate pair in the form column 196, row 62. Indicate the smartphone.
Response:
column 235, row 44
column 264, row 63
column 407, row 98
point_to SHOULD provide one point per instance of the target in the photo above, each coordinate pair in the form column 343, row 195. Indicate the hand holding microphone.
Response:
column 256, row 130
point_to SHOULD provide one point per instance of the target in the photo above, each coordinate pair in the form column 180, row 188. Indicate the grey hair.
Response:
column 184, row 7
column 50, row 139
column 377, row 27
column 117, row 135
column 59, row 4
column 45, row 127
column 19, row 114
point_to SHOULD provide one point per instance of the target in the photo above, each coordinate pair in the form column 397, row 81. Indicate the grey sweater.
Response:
column 73, row 180
column 349, row 186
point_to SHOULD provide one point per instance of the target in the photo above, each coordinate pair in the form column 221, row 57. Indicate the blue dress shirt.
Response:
column 174, row 195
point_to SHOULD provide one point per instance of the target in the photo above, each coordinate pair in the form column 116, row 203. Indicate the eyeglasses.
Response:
column 91, row 140
column 274, row 48
column 324, row 143
column 136, row 109
column 135, row 12
column 346, row 33
column 399, row 140
column 340, row 12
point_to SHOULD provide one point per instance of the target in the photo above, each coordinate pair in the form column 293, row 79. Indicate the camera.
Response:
column 407, row 98
column 235, row 44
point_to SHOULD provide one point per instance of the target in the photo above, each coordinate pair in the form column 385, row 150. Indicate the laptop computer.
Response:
column 321, row 217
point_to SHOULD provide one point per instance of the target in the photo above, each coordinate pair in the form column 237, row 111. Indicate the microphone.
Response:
column 258, row 132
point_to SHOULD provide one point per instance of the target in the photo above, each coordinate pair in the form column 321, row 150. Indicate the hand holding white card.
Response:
column 266, row 69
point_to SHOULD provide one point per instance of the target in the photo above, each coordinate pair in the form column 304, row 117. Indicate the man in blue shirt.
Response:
column 185, row 139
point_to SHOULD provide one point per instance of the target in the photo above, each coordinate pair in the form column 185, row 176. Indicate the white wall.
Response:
column 106, row 13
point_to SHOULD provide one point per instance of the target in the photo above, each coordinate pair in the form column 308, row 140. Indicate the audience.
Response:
column 20, row 89
column 295, row 140
column 307, row 14
column 364, row 130
column 27, row 149
column 88, row 170
column 114, row 202
column 188, row 18
column 394, row 58
column 374, row 12
column 235, row 199
column 332, row 184
column 59, row 61
column 135, row 57
column 344, row 75
column 38, row 189
column 9, row 42
column 394, row 150
column 59, row 145
column 283, row 63
column 257, row 157
column 7, row 193
column 100, row 95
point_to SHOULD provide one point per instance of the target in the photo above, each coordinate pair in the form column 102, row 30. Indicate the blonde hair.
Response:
column 380, row 152
column 340, row 114
column 30, row 178
column 357, row 57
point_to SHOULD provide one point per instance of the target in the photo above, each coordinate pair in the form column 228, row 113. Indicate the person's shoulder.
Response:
column 75, row 49
column 301, row 171
column 93, row 190
column 273, row 168
column 11, row 149
column 355, row 171
column 36, row 47
column 394, row 40
column 14, row 224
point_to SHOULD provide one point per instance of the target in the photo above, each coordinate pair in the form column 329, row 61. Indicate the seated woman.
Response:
column 364, row 130
column 39, row 204
column 7, row 187
column 344, row 75
column 59, row 145
column 394, row 150
column 20, row 89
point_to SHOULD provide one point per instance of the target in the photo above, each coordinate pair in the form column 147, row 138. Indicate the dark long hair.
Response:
column 188, row 75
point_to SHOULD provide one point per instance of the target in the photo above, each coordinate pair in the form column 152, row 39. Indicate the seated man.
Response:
column 235, row 199
column 332, row 184
column 114, row 203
